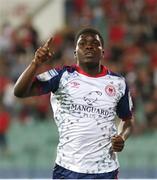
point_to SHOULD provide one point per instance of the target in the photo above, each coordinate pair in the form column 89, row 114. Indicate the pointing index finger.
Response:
column 49, row 44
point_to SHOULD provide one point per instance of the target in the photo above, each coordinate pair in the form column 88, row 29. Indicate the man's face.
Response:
column 89, row 49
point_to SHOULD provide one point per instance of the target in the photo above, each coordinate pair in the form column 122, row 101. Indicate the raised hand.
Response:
column 44, row 53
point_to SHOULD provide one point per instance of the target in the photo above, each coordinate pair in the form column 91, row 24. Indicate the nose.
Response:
column 89, row 46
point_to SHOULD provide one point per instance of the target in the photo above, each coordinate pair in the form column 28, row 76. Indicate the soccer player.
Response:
column 85, row 99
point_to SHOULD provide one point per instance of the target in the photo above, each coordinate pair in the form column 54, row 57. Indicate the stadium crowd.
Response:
column 129, row 28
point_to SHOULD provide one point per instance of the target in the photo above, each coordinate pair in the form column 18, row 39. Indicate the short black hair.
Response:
column 89, row 30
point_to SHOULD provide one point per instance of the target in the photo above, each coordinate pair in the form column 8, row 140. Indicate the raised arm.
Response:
column 25, row 87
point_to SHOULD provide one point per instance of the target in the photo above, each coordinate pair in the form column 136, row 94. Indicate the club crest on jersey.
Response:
column 110, row 90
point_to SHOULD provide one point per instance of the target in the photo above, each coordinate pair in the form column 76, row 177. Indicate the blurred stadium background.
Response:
column 129, row 28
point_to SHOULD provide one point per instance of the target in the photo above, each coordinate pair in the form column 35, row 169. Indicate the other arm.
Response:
column 124, row 131
column 124, row 112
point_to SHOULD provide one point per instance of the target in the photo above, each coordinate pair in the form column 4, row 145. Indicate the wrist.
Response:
column 34, row 64
column 123, row 137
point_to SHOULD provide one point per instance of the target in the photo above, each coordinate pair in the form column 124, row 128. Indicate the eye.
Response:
column 81, row 43
column 96, row 43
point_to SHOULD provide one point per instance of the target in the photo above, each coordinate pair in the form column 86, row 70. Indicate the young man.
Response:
column 85, row 99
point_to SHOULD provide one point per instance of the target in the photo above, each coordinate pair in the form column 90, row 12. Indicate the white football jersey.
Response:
column 84, row 110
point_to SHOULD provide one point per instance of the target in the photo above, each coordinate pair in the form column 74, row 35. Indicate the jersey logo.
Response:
column 92, row 97
column 74, row 84
column 110, row 90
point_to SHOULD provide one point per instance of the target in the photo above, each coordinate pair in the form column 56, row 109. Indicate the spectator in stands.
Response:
column 4, row 126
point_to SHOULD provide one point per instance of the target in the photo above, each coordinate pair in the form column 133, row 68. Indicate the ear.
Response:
column 75, row 53
column 103, row 52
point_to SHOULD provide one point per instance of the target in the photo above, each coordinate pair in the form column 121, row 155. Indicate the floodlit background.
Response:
column 28, row 135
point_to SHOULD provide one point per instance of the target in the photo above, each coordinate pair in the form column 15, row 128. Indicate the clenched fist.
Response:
column 44, row 53
column 117, row 143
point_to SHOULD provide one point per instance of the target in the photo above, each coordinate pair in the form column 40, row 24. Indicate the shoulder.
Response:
column 55, row 72
column 115, row 76
column 118, row 75
column 69, row 69
column 117, row 79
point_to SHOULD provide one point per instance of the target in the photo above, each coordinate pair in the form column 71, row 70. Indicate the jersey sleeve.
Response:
column 49, row 80
column 125, row 105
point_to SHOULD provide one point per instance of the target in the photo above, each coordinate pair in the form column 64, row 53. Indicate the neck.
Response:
column 91, row 69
